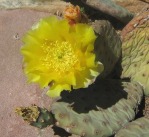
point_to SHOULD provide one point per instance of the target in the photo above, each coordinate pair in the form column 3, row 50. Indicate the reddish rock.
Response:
column 14, row 91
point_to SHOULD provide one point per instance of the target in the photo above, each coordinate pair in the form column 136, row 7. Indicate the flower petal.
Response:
column 68, row 78
column 56, row 89
column 90, row 60
column 84, row 34
column 57, row 52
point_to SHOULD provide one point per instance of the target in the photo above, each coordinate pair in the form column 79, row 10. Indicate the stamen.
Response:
column 59, row 56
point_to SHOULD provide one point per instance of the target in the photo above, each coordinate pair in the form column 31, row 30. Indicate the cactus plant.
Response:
column 36, row 116
column 104, row 122
column 135, row 51
column 137, row 128
column 107, row 45
column 106, row 106
column 96, row 121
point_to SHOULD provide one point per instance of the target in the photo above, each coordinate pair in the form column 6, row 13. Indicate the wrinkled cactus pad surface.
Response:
column 107, row 45
column 137, row 128
column 116, row 104
column 135, row 50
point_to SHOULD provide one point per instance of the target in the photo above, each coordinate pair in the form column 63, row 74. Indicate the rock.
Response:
column 14, row 89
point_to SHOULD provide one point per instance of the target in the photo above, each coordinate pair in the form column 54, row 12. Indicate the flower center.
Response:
column 59, row 56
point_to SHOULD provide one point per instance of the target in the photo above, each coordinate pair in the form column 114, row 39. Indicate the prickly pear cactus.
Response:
column 107, row 45
column 137, row 128
column 123, row 99
column 106, row 106
column 36, row 116
column 135, row 50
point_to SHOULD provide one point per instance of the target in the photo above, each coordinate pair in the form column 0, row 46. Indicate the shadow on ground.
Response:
column 101, row 94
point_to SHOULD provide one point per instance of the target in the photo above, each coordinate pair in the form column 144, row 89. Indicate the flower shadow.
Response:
column 60, row 131
column 100, row 95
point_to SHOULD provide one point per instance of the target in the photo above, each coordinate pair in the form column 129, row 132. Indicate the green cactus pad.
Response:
column 110, row 104
column 135, row 51
column 36, row 116
column 107, row 45
column 137, row 128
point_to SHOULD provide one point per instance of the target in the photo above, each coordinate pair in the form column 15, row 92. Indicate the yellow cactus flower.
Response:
column 60, row 55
